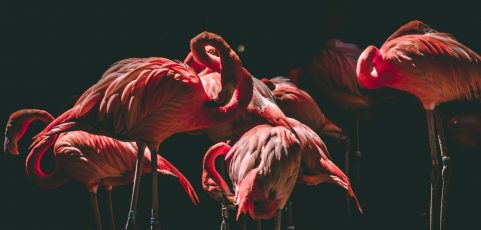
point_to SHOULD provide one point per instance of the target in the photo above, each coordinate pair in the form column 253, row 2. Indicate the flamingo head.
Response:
column 10, row 146
column 368, row 69
column 259, row 209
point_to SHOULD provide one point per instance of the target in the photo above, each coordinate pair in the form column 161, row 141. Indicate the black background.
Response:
column 51, row 52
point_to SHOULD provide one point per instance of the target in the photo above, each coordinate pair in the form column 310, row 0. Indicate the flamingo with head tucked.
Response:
column 262, row 110
column 91, row 159
column 435, row 68
column 263, row 166
column 149, row 99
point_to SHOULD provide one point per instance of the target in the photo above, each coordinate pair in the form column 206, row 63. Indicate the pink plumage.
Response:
column 432, row 66
column 91, row 159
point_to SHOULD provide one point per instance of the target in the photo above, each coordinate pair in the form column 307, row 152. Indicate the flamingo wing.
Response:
column 412, row 27
column 126, row 95
column 433, row 59
column 317, row 165
column 335, row 67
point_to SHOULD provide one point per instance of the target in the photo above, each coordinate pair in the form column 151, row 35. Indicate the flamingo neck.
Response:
column 18, row 124
column 370, row 70
column 238, row 103
column 220, row 149
column 45, row 180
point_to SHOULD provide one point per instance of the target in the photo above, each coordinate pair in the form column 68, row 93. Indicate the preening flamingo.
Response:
column 253, row 163
column 298, row 104
column 435, row 68
column 331, row 75
column 261, row 110
column 91, row 159
column 231, row 131
column 149, row 99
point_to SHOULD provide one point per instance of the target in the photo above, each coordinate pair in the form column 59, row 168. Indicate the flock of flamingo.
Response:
column 269, row 132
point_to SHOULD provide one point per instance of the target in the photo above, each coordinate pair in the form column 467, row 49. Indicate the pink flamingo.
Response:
column 332, row 73
column 91, row 159
column 330, row 77
column 264, row 166
column 298, row 104
column 262, row 110
column 435, row 68
column 148, row 100
column 229, row 131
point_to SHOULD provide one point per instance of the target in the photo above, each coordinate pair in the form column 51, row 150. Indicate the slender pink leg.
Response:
column 244, row 223
column 95, row 207
column 259, row 224
column 347, row 156
column 131, row 223
column 278, row 219
column 108, row 190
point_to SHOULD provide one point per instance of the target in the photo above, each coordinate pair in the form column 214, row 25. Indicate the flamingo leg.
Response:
column 131, row 223
column 445, row 170
column 225, row 218
column 244, row 223
column 290, row 216
column 108, row 190
column 435, row 171
column 95, row 208
column 154, row 218
column 347, row 156
column 278, row 219
column 356, row 165
column 358, row 155
column 259, row 224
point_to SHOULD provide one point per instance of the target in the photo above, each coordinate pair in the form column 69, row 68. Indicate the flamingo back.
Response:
column 100, row 160
column 434, row 67
column 317, row 166
column 131, row 100
column 297, row 103
column 263, row 166
column 335, row 67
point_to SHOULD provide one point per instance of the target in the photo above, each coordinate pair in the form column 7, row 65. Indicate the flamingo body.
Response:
column 93, row 160
column 432, row 66
column 298, row 104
